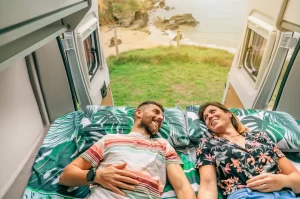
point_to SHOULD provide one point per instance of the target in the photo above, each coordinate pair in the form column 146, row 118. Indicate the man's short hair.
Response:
column 149, row 103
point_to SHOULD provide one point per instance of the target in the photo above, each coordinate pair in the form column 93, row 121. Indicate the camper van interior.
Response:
column 55, row 85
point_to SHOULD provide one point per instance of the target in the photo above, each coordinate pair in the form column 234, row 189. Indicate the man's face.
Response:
column 151, row 119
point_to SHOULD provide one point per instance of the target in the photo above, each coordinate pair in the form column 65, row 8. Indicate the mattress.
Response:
column 66, row 140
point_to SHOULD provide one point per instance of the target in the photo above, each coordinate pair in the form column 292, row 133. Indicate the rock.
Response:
column 167, row 8
column 112, row 42
column 173, row 8
column 141, row 20
column 186, row 19
column 150, row 4
column 137, row 19
column 174, row 22
column 162, row 4
column 165, row 24
column 124, row 18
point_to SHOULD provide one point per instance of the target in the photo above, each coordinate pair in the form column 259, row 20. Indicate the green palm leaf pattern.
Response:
column 283, row 130
column 119, row 120
column 188, row 157
column 112, row 119
column 294, row 157
column 239, row 112
column 63, row 129
column 280, row 127
column 173, row 128
column 196, row 128
column 58, row 150
column 73, row 133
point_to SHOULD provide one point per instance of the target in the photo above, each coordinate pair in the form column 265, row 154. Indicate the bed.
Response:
column 73, row 133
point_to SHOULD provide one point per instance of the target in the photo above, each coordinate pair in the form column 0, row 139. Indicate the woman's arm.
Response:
column 292, row 174
column 267, row 182
column 179, row 182
column 208, row 182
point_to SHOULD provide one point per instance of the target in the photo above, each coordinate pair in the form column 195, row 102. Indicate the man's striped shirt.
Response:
column 146, row 157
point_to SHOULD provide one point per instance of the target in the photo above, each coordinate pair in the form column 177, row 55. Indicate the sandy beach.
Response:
column 220, row 27
column 131, row 40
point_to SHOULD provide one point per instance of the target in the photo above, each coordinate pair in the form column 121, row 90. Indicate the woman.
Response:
column 240, row 163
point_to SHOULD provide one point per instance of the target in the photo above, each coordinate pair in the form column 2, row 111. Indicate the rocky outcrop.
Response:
column 174, row 22
column 112, row 42
column 139, row 19
column 186, row 19
column 124, row 18
column 150, row 4
column 165, row 24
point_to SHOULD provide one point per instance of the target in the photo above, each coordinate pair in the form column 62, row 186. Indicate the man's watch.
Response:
column 90, row 176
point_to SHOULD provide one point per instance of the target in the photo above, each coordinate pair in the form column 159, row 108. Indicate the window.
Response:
column 257, row 49
column 91, row 54
column 254, row 53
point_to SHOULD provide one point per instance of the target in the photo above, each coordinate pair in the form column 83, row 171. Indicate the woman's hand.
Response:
column 267, row 182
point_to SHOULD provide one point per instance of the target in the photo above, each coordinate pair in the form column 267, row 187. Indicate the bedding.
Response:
column 73, row 133
column 280, row 127
column 108, row 119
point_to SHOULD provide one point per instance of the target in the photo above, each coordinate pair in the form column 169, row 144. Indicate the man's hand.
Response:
column 114, row 177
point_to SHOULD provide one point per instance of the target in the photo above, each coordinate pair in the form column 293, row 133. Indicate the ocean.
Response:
column 221, row 21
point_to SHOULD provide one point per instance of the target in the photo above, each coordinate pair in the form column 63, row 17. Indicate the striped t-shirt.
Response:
column 146, row 157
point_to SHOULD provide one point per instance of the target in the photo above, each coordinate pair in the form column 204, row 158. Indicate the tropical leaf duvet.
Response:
column 73, row 133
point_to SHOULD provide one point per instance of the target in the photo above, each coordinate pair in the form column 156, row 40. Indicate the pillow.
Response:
column 280, row 127
column 102, row 120
column 174, row 128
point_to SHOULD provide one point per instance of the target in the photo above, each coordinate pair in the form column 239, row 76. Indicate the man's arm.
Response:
column 112, row 177
column 75, row 173
column 208, row 182
column 179, row 182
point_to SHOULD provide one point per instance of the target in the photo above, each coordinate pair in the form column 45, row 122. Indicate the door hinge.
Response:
column 68, row 43
column 289, row 42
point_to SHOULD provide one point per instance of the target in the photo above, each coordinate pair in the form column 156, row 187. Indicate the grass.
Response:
column 185, row 76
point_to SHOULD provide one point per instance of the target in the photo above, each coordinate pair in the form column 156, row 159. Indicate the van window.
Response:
column 254, row 53
column 91, row 54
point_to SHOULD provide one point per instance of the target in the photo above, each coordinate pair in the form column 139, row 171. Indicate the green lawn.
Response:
column 185, row 76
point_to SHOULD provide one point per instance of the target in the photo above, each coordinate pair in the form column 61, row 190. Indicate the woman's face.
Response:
column 216, row 119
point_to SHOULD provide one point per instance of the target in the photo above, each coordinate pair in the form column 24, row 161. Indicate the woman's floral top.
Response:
column 235, row 164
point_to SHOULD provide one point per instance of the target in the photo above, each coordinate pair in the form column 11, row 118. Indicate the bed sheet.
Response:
column 66, row 139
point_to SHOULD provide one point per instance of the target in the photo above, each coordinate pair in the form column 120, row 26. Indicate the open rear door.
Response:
column 266, row 40
column 84, row 54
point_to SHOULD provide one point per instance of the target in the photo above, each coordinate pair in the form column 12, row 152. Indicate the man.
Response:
column 133, row 165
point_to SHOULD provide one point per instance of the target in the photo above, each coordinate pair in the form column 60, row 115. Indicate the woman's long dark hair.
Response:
column 239, row 127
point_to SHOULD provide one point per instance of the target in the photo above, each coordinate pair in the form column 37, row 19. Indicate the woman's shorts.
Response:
column 251, row 194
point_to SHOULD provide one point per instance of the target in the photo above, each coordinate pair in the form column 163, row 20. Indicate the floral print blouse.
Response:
column 235, row 164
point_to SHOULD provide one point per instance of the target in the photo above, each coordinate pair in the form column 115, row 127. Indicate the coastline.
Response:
column 131, row 40
column 135, row 39
column 219, row 27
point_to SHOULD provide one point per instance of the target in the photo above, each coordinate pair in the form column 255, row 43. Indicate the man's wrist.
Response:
column 96, row 179
column 91, row 175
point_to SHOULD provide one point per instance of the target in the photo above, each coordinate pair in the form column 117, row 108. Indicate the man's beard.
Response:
column 146, row 123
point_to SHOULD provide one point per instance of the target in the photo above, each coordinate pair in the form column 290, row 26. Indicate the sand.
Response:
column 131, row 40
